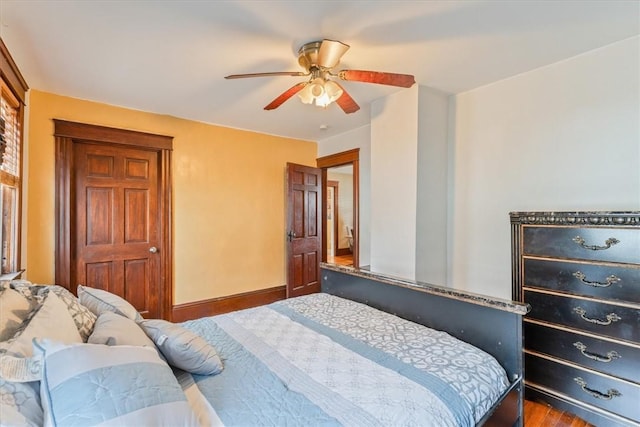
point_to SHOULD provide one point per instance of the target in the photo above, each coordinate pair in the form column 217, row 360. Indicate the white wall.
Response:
column 562, row 137
column 432, row 197
column 357, row 138
column 394, row 151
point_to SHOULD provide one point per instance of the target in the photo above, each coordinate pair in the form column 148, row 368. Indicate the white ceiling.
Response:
column 170, row 57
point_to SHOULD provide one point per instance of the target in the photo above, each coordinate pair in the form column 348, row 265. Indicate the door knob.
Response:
column 153, row 250
column 291, row 234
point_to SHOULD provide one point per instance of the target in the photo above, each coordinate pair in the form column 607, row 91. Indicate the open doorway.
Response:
column 340, row 215
column 340, row 181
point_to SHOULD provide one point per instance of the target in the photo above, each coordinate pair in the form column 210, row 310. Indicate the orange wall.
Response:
column 228, row 196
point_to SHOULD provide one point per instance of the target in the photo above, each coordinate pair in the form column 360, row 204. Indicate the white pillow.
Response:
column 114, row 329
column 14, row 309
column 92, row 384
column 51, row 320
column 99, row 301
column 82, row 316
column 183, row 348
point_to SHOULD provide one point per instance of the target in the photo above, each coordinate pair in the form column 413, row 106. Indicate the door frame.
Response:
column 350, row 157
column 66, row 134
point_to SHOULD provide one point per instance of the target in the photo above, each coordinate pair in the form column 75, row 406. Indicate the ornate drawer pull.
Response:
column 610, row 394
column 610, row 280
column 608, row 358
column 611, row 317
column 608, row 243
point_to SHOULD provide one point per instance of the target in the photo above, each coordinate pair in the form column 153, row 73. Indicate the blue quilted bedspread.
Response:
column 321, row 360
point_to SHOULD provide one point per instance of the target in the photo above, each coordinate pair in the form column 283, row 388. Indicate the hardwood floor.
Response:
column 538, row 415
column 341, row 259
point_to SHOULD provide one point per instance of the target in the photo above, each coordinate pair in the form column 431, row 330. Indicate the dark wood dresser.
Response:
column 580, row 273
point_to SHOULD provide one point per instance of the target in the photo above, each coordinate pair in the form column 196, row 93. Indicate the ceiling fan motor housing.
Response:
column 308, row 55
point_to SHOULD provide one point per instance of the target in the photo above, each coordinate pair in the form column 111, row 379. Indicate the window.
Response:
column 12, row 91
column 9, row 179
column 10, row 114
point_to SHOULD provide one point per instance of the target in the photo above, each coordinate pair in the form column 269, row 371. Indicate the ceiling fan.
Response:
column 318, row 58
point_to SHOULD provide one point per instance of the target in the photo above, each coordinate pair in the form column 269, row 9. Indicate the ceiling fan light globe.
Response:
column 305, row 95
column 333, row 90
column 317, row 87
column 323, row 100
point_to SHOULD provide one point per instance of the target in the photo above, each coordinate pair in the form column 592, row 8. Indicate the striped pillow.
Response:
column 103, row 385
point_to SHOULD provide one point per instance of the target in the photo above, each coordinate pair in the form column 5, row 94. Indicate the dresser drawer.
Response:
column 611, row 358
column 604, row 392
column 588, row 315
column 601, row 281
column 598, row 244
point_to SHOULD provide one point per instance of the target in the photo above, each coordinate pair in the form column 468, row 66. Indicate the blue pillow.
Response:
column 113, row 329
column 99, row 301
column 93, row 384
column 183, row 348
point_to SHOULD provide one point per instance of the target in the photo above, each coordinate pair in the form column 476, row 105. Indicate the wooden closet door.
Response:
column 117, row 219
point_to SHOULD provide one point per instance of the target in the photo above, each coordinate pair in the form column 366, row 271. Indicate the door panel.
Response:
column 312, row 213
column 99, row 166
column 99, row 210
column 136, row 169
column 298, row 212
column 136, row 272
column 304, row 245
column 99, row 274
column 117, row 223
column 136, row 215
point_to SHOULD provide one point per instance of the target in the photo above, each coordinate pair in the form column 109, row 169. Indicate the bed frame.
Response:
column 493, row 325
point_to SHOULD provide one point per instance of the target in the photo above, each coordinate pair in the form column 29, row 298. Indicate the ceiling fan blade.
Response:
column 382, row 78
column 346, row 102
column 284, row 96
column 330, row 53
column 278, row 73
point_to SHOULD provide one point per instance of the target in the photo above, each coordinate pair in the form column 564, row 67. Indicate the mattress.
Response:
column 324, row 360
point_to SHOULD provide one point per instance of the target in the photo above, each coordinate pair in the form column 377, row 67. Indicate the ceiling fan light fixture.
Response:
column 318, row 58
column 321, row 92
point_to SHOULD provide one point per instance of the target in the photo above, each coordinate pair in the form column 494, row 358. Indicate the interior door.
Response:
column 117, row 235
column 113, row 200
column 304, row 229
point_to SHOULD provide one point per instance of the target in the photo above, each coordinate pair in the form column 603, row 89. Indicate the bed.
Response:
column 368, row 350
